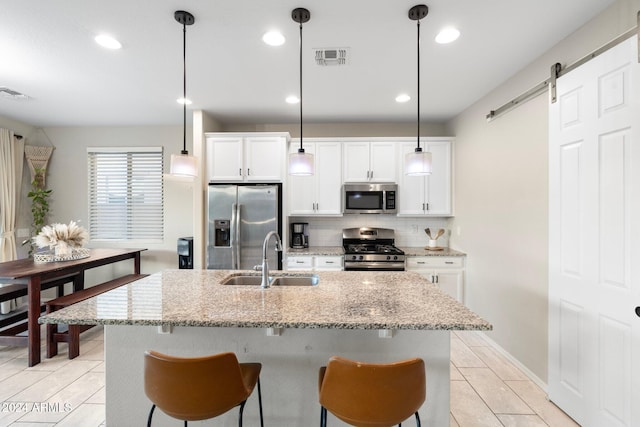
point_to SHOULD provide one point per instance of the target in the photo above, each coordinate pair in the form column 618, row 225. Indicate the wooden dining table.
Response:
column 35, row 275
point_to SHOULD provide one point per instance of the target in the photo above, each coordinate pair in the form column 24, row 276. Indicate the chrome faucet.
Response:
column 265, row 264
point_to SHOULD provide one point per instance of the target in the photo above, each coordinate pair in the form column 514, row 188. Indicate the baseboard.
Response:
column 533, row 377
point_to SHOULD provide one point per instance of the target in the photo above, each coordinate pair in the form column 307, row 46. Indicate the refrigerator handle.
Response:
column 234, row 242
column 238, row 229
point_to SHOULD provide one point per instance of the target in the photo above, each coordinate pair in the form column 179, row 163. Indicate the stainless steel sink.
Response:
column 299, row 280
column 310, row 280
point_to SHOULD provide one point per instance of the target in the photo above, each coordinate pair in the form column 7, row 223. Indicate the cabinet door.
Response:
column 328, row 178
column 382, row 161
column 411, row 189
column 438, row 184
column 451, row 282
column 224, row 159
column 302, row 189
column 264, row 158
column 299, row 263
column 355, row 161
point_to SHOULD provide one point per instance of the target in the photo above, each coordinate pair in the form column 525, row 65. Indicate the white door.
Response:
column 355, row 161
column 438, row 184
column 594, row 240
column 264, row 158
column 328, row 178
column 224, row 158
column 382, row 157
column 302, row 188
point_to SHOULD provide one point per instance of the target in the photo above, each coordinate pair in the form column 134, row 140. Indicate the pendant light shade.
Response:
column 183, row 164
column 301, row 163
column 418, row 163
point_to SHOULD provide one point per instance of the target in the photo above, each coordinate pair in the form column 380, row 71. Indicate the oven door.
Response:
column 373, row 266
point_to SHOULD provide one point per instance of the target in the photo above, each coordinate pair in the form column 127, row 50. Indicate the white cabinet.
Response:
column 445, row 272
column 369, row 161
column 318, row 194
column 258, row 157
column 314, row 263
column 426, row 195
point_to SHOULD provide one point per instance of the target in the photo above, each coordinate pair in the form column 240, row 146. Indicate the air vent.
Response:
column 5, row 92
column 332, row 56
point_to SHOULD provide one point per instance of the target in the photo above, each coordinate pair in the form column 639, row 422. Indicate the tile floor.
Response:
column 486, row 390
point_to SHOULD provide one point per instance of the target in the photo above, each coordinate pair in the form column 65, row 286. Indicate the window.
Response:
column 126, row 194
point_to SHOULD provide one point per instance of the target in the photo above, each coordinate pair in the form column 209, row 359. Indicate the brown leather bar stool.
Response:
column 372, row 395
column 199, row 388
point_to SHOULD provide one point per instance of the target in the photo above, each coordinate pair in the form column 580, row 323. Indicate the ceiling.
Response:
column 48, row 53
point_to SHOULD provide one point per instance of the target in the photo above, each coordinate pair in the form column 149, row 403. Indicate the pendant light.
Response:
column 418, row 163
column 301, row 163
column 183, row 164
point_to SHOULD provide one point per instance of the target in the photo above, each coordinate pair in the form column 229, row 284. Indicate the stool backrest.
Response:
column 195, row 388
column 365, row 394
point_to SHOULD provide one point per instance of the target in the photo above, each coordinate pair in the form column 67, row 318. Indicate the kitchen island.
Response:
column 292, row 330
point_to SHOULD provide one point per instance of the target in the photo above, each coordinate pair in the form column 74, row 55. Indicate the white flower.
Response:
column 72, row 235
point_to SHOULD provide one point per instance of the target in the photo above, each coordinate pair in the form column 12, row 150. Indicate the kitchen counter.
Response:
column 342, row 300
column 338, row 250
column 317, row 251
column 377, row 317
column 421, row 251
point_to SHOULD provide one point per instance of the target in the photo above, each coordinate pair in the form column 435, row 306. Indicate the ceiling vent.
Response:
column 5, row 92
column 332, row 56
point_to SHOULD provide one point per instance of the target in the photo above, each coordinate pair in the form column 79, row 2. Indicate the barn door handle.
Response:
column 638, row 311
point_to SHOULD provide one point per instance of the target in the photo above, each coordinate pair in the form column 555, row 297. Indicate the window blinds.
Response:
column 126, row 194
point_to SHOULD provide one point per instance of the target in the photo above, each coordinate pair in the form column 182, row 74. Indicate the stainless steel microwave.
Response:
column 369, row 198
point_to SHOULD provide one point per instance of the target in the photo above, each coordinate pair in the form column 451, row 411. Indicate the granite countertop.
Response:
column 317, row 250
column 421, row 251
column 338, row 250
column 342, row 300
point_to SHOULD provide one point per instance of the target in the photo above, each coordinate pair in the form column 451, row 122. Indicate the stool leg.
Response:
column 241, row 409
column 418, row 419
column 150, row 415
column 260, row 403
column 323, row 416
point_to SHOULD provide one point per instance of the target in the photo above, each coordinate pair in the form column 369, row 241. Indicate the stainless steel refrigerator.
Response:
column 239, row 218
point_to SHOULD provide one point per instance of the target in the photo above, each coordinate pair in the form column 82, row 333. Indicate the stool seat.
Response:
column 371, row 395
column 199, row 388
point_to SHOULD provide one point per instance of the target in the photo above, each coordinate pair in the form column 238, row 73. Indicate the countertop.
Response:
column 338, row 250
column 342, row 300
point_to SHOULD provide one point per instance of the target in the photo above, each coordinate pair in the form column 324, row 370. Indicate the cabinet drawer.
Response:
column 329, row 262
column 414, row 263
column 300, row 262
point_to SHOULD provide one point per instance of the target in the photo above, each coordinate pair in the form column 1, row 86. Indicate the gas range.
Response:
column 371, row 249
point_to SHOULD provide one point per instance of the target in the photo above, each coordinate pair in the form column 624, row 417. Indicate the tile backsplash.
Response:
column 327, row 231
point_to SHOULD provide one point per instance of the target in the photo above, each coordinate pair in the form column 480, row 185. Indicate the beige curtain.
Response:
column 11, row 162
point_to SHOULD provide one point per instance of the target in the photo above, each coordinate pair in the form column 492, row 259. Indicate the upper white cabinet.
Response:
column 258, row 157
column 366, row 161
column 426, row 195
column 318, row 194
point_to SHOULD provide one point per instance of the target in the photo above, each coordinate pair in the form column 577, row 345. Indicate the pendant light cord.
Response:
column 301, row 149
column 184, row 88
column 418, row 44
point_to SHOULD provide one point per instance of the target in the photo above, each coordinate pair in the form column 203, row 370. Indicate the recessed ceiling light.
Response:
column 403, row 97
column 447, row 35
column 292, row 99
column 108, row 42
column 183, row 101
column 273, row 38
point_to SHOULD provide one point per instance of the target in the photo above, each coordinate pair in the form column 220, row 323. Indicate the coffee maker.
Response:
column 299, row 235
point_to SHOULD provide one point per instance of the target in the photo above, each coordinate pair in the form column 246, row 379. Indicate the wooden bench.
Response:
column 72, row 334
column 15, row 322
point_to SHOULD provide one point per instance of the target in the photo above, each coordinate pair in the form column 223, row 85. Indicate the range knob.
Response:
column 360, row 257
column 354, row 257
column 395, row 257
column 388, row 257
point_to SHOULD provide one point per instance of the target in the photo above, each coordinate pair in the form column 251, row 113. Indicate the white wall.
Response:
column 67, row 177
column 501, row 192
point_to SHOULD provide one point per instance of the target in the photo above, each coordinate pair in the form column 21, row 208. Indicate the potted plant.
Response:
column 39, row 196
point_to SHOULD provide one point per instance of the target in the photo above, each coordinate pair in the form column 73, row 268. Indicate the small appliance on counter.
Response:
column 185, row 253
column 299, row 235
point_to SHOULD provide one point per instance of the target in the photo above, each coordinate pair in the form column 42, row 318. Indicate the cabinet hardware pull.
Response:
column 371, row 174
column 448, row 262
column 421, row 262
column 299, row 262
column 240, row 171
column 423, row 207
column 638, row 311
column 427, row 206
column 248, row 171
column 437, row 279
column 329, row 262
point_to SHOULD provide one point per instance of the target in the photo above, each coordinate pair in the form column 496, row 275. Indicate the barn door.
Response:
column 594, row 252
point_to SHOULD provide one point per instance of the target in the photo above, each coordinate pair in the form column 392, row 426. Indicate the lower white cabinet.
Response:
column 445, row 272
column 314, row 262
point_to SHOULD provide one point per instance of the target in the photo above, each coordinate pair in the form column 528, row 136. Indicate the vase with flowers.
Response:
column 64, row 242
